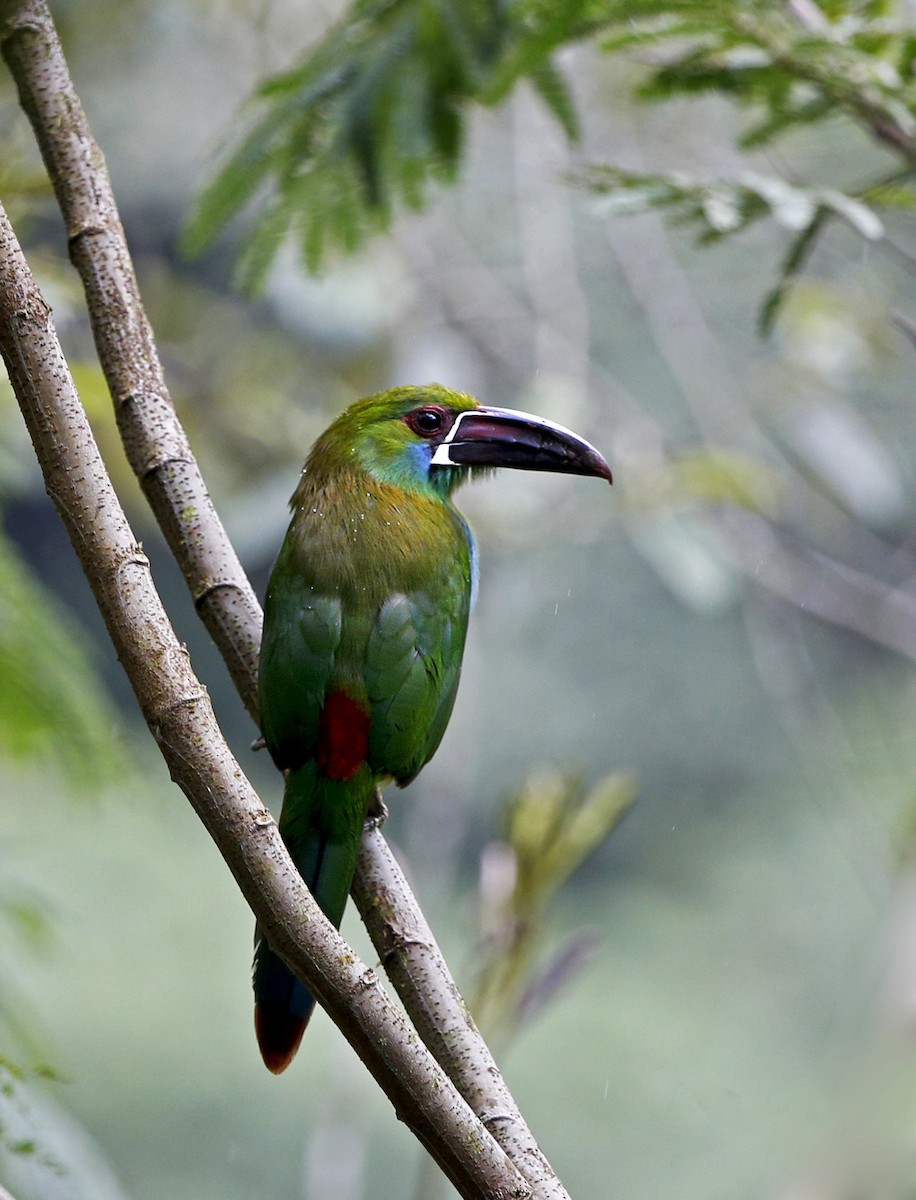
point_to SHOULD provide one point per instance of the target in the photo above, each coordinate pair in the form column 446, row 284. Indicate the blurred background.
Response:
column 732, row 628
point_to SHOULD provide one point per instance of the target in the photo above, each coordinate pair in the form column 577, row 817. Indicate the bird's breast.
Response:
column 365, row 539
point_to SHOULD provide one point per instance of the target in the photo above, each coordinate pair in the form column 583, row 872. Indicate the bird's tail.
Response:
column 321, row 823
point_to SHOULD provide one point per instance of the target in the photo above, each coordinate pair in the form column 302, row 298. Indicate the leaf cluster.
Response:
column 372, row 116
column 375, row 113
column 718, row 207
column 552, row 825
column 790, row 64
column 723, row 206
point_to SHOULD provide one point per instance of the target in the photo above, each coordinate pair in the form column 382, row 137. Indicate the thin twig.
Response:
column 178, row 711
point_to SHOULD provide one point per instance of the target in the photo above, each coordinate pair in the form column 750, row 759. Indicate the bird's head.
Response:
column 431, row 439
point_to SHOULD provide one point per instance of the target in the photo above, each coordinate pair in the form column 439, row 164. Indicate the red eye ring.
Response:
column 428, row 421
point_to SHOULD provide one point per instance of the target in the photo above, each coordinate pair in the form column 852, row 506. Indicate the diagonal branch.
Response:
column 154, row 440
column 177, row 709
column 415, row 965
column 161, row 456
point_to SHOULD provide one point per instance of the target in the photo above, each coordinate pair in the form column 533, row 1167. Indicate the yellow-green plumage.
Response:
column 369, row 597
column 364, row 629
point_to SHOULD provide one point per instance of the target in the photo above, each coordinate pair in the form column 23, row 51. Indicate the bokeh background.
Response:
column 744, row 1011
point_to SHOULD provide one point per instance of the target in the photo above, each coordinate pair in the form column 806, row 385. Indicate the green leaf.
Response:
column 717, row 475
column 799, row 252
column 553, row 823
column 891, row 195
column 51, row 703
column 44, row 1151
column 554, row 91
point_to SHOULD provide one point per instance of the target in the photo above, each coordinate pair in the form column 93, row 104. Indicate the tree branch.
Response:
column 177, row 709
column 162, row 458
column 156, row 445
column 415, row 965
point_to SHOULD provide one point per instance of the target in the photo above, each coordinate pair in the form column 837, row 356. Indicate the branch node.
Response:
column 182, row 704
column 497, row 1118
column 160, row 464
column 397, row 951
column 90, row 229
column 206, row 592
column 367, row 982
column 135, row 558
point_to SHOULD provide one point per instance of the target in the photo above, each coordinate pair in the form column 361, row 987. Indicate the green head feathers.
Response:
column 427, row 440
column 393, row 435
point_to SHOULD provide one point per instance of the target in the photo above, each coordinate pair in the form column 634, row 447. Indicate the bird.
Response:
column 365, row 620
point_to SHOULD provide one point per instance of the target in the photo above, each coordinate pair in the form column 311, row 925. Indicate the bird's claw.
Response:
column 378, row 812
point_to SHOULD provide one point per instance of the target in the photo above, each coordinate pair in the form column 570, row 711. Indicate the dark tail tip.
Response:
column 279, row 1033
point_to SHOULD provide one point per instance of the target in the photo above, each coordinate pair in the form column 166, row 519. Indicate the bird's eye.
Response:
column 426, row 421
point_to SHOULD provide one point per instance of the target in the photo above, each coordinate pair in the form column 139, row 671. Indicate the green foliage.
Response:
column 44, row 1152
column 720, row 207
column 23, row 180
column 553, row 824
column 787, row 66
column 791, row 65
column 25, row 918
column 709, row 474
column 376, row 113
column 372, row 116
column 50, row 702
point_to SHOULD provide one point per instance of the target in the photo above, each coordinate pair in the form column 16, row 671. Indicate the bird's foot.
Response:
column 378, row 812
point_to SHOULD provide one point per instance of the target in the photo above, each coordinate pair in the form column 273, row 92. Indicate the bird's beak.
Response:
column 501, row 437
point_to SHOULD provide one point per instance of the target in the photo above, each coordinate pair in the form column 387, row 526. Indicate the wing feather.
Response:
column 413, row 662
column 301, row 637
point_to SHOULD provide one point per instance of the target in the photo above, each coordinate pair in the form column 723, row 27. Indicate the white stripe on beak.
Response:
column 441, row 457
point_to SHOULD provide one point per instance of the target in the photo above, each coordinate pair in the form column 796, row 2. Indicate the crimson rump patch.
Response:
column 343, row 737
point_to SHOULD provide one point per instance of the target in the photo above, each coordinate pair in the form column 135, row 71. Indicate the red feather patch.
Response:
column 343, row 737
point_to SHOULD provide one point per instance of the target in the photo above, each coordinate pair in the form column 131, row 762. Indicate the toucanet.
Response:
column 364, row 628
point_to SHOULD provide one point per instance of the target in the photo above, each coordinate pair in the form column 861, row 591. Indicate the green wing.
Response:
column 410, row 671
column 413, row 662
column 302, row 631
